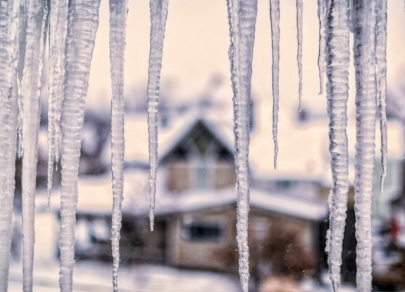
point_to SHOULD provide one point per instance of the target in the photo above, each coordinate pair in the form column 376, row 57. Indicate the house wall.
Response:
column 183, row 175
column 222, row 254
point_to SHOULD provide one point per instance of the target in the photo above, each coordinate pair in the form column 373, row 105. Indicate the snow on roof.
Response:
column 95, row 197
column 274, row 203
column 136, row 134
column 303, row 147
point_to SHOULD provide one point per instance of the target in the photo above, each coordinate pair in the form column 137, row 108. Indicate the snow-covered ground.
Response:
column 96, row 276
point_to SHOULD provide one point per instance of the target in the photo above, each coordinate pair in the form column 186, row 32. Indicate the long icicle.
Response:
column 299, row 49
column 21, row 60
column 321, row 49
column 381, row 78
column 57, row 41
column 363, row 19
column 337, row 60
column 118, row 16
column 9, row 35
column 83, row 21
column 242, row 21
column 275, row 47
column 158, row 16
column 31, row 88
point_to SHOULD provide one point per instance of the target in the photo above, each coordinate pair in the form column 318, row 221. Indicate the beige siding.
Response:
column 224, row 175
column 178, row 177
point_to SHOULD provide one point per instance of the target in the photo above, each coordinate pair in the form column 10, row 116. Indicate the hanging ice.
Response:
column 299, row 50
column 31, row 88
column 158, row 16
column 82, row 27
column 242, row 21
column 9, row 22
column 57, row 41
column 321, row 51
column 118, row 15
column 363, row 18
column 337, row 60
column 381, row 79
column 275, row 42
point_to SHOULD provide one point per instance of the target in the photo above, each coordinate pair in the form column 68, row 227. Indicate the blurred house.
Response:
column 196, row 200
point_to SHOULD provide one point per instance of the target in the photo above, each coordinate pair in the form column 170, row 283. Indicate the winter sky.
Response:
column 196, row 49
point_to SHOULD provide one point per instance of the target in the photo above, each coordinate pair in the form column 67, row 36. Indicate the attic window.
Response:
column 203, row 231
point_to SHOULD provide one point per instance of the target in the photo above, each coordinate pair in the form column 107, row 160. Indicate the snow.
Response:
column 96, row 198
column 92, row 276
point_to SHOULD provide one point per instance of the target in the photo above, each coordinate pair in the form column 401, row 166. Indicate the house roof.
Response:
column 136, row 135
column 95, row 197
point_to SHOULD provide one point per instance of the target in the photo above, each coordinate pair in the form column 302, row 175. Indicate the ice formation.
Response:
column 118, row 16
column 337, row 60
column 82, row 27
column 363, row 20
column 321, row 51
column 242, row 21
column 381, row 79
column 158, row 16
column 72, row 35
column 275, row 48
column 36, row 29
column 299, row 50
column 8, row 118
column 57, row 41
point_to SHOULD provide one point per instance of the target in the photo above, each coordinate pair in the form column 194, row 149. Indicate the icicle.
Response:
column 275, row 43
column 363, row 19
column 57, row 41
column 21, row 59
column 242, row 21
column 118, row 15
column 337, row 59
column 299, row 51
column 82, row 27
column 321, row 51
column 8, row 126
column 158, row 16
column 31, row 88
column 381, row 79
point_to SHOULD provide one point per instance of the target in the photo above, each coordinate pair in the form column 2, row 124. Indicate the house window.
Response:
column 203, row 231
column 202, row 181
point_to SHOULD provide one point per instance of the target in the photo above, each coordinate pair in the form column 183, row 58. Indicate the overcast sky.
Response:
column 196, row 47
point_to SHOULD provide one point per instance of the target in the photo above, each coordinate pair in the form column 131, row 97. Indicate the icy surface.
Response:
column 118, row 16
column 275, row 47
column 381, row 79
column 31, row 87
column 21, row 62
column 8, row 118
column 242, row 21
column 337, row 60
column 363, row 19
column 82, row 28
column 57, row 41
column 321, row 51
column 158, row 16
column 299, row 50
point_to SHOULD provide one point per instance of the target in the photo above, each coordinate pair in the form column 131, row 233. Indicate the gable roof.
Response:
column 95, row 197
column 136, row 135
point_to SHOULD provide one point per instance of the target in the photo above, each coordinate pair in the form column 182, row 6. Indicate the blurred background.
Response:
column 193, row 247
